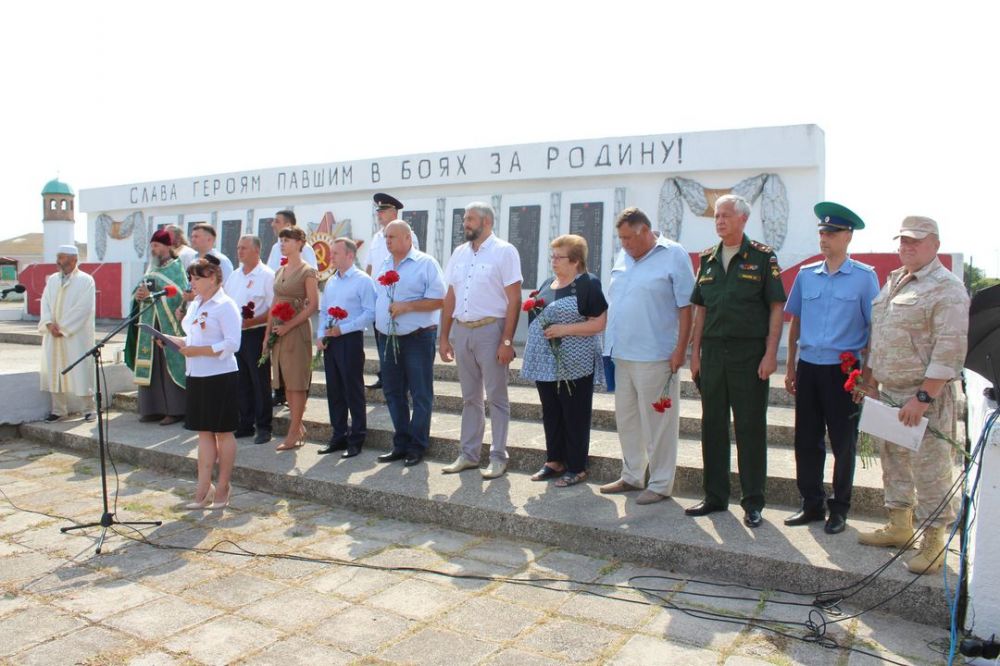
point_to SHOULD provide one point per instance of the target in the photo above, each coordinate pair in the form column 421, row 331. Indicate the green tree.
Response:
column 975, row 279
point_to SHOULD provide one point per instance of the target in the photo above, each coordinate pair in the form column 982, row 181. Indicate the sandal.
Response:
column 285, row 446
column 546, row 473
column 570, row 479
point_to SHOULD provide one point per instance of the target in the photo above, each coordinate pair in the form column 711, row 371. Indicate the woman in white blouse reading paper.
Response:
column 213, row 326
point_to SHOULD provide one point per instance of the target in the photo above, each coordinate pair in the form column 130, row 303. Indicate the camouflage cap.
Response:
column 917, row 227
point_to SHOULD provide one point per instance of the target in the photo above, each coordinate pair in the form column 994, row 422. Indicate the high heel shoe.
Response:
column 222, row 504
column 204, row 504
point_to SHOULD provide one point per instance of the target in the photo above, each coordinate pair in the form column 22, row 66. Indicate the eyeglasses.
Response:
column 553, row 257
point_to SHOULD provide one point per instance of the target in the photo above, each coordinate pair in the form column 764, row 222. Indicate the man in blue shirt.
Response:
column 342, row 342
column 406, row 315
column 649, row 324
column 831, row 306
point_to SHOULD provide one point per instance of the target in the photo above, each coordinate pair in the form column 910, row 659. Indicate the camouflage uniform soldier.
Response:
column 920, row 323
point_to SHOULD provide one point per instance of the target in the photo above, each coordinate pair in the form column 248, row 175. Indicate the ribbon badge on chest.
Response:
column 202, row 318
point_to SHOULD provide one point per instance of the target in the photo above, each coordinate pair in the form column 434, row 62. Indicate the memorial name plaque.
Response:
column 417, row 219
column 523, row 229
column 266, row 235
column 231, row 232
column 587, row 220
column 457, row 227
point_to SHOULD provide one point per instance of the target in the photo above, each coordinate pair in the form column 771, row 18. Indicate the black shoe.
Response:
column 52, row 418
column 835, row 524
column 333, row 446
column 752, row 518
column 279, row 398
column 413, row 459
column 703, row 509
column 804, row 517
column 263, row 436
column 377, row 384
column 392, row 456
column 149, row 418
column 246, row 432
column 351, row 452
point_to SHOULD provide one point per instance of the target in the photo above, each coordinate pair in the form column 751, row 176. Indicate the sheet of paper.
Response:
column 881, row 420
column 159, row 336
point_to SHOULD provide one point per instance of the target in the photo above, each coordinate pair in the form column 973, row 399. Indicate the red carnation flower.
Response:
column 337, row 312
column 528, row 305
column 283, row 311
column 248, row 310
column 284, row 260
column 662, row 405
column 852, row 381
column 388, row 278
column 533, row 294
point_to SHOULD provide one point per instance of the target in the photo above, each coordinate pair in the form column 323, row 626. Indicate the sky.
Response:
column 119, row 92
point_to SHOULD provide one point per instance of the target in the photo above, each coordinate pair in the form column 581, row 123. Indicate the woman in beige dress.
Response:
column 296, row 283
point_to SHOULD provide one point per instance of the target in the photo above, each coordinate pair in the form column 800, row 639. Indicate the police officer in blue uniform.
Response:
column 831, row 305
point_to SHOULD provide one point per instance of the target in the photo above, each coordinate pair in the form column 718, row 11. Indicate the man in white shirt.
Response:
column 284, row 219
column 484, row 301
column 203, row 241
column 252, row 287
column 386, row 210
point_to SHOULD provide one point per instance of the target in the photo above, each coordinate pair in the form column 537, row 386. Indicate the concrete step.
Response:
column 449, row 372
column 800, row 559
column 526, row 447
column 525, row 405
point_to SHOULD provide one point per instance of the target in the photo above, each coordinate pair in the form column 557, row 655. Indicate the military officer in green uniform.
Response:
column 738, row 299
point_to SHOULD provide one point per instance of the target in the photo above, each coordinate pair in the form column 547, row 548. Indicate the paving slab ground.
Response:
column 138, row 604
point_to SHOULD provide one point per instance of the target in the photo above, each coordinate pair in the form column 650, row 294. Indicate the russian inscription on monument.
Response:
column 587, row 219
column 523, row 229
column 417, row 219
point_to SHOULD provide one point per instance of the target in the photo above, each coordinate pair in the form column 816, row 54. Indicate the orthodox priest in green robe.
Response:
column 159, row 372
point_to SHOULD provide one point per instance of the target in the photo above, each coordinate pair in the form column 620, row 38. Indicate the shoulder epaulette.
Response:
column 864, row 267
column 708, row 250
column 757, row 245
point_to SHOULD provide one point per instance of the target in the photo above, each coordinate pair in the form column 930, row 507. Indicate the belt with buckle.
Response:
column 479, row 322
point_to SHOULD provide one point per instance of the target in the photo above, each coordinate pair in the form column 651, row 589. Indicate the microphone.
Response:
column 169, row 291
column 17, row 289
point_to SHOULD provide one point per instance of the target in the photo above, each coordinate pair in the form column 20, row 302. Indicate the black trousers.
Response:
column 255, row 382
column 344, row 363
column 566, row 420
column 822, row 407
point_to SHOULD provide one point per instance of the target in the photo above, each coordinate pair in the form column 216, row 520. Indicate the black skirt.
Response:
column 213, row 403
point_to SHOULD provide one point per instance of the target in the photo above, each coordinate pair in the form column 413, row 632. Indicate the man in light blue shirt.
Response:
column 203, row 237
column 831, row 308
column 343, row 346
column 649, row 325
column 407, row 314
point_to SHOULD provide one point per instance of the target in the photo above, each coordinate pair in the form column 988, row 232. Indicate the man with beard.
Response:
column 484, row 301
column 159, row 372
column 67, row 328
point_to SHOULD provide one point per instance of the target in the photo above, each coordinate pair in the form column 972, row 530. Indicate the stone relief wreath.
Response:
column 120, row 230
column 768, row 187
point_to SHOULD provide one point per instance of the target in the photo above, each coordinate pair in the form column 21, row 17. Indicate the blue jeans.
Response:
column 409, row 377
column 609, row 373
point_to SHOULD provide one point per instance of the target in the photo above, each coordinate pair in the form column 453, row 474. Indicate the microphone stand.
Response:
column 107, row 517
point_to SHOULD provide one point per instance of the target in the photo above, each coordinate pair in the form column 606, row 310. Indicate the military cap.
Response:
column 917, row 227
column 383, row 200
column 834, row 217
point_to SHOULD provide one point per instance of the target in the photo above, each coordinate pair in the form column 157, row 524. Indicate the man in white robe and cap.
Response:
column 67, row 328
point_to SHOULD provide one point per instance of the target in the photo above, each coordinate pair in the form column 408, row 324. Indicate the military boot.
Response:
column 896, row 532
column 930, row 559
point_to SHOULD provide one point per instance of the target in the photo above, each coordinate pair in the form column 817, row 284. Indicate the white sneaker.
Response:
column 496, row 469
column 460, row 465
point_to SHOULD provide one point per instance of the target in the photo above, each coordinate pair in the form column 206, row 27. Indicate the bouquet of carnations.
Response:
column 389, row 279
column 281, row 313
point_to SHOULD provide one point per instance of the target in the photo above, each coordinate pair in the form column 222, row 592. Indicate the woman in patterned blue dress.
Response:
column 563, row 357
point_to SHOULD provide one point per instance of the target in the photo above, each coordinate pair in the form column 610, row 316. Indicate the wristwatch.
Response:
column 924, row 397
column 506, row 343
